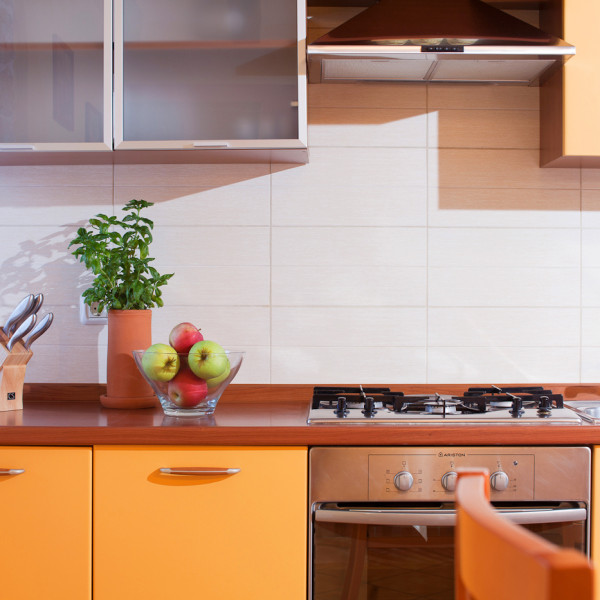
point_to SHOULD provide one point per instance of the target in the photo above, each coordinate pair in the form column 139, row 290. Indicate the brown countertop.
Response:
column 70, row 414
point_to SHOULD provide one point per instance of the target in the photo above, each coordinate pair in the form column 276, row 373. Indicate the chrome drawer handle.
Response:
column 11, row 471
column 198, row 471
column 211, row 145
column 17, row 147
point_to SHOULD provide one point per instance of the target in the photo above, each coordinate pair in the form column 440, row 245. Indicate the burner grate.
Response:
column 475, row 400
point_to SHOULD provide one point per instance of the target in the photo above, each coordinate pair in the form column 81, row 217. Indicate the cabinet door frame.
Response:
column 222, row 144
column 107, row 107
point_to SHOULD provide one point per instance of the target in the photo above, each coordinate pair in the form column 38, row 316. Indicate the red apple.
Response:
column 187, row 390
column 184, row 336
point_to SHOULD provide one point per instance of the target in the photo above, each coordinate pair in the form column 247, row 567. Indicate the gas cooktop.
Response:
column 484, row 405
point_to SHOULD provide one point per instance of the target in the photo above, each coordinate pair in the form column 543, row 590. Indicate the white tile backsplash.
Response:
column 500, row 364
column 349, row 326
column 211, row 246
column 505, row 286
column 349, row 246
column 503, row 97
column 73, row 205
column 82, row 177
column 373, row 95
column 590, row 326
column 504, row 247
column 590, row 364
column 421, row 243
column 367, row 127
column 506, row 326
column 349, row 206
column 230, row 326
column 348, row 286
column 245, row 203
column 473, row 128
column 348, row 364
column 497, row 207
column 217, row 286
column 495, row 168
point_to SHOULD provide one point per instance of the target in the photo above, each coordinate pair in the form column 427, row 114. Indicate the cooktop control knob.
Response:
column 499, row 481
column 449, row 481
column 403, row 481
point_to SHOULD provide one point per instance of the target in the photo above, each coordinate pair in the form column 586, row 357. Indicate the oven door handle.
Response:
column 442, row 518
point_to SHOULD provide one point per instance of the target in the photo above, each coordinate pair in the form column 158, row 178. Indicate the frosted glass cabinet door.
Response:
column 206, row 73
column 55, row 75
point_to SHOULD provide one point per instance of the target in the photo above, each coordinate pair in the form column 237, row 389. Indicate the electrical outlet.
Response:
column 90, row 315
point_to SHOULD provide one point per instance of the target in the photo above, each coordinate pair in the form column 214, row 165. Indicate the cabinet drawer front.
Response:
column 45, row 546
column 166, row 526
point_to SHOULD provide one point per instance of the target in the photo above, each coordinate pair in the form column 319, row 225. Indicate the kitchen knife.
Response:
column 38, row 301
column 35, row 306
column 24, row 328
column 32, row 310
column 21, row 311
column 38, row 330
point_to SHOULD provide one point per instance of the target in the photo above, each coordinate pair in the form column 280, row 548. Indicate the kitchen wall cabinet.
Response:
column 45, row 544
column 160, row 535
column 55, row 75
column 189, row 76
column 193, row 74
column 570, row 122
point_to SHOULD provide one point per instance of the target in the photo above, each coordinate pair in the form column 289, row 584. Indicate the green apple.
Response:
column 160, row 362
column 207, row 359
column 215, row 381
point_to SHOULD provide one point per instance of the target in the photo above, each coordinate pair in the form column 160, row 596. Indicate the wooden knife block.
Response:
column 12, row 374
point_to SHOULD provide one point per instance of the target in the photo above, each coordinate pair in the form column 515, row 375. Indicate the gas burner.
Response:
column 493, row 404
column 440, row 408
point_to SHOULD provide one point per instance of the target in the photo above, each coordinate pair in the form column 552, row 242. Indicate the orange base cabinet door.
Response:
column 191, row 533
column 45, row 536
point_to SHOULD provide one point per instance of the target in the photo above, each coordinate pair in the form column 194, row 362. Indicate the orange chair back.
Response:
column 496, row 559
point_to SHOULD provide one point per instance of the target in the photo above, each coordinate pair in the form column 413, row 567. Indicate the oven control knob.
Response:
column 499, row 481
column 449, row 481
column 403, row 481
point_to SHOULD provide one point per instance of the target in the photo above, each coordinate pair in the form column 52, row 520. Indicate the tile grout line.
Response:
column 580, row 274
column 271, row 273
column 427, row 197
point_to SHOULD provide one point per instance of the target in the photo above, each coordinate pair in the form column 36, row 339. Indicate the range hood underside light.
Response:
column 426, row 68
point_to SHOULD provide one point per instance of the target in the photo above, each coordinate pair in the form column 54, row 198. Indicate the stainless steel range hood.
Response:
column 438, row 41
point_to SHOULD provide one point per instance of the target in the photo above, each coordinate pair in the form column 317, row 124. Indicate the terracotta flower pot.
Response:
column 125, row 387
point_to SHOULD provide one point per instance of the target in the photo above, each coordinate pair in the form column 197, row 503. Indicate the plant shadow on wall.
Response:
column 42, row 265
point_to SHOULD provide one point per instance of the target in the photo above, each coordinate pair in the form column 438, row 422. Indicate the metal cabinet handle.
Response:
column 211, row 145
column 199, row 471
column 16, row 147
column 11, row 471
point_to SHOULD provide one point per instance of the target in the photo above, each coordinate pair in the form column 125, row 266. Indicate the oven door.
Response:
column 396, row 551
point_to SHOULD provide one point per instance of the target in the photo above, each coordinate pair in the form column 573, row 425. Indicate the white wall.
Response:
column 422, row 243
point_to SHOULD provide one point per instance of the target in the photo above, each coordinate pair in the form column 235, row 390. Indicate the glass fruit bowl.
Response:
column 178, row 385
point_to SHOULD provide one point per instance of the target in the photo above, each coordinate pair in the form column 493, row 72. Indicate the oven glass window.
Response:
column 382, row 562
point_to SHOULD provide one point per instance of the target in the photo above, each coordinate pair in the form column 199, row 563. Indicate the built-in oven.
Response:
column 382, row 518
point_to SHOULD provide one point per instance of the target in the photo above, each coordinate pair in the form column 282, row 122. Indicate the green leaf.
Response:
column 117, row 252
